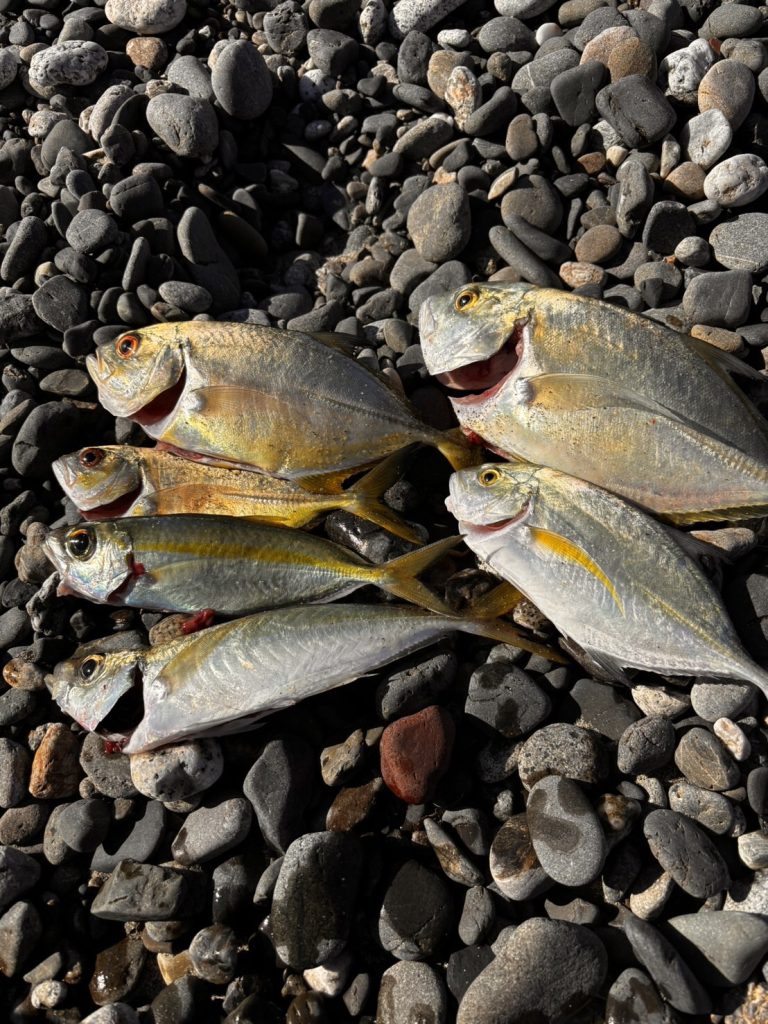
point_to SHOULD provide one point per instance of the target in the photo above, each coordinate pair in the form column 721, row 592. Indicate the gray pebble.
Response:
column 209, row 265
column 722, row 946
column 634, row 999
column 213, row 954
column 421, row 15
column 140, row 843
column 209, row 831
column 602, row 708
column 20, row 931
column 505, row 34
column 285, row 27
column 681, row 71
column 667, row 224
column 506, row 699
column 279, row 787
column 637, row 109
column 728, row 86
column 439, row 222
column 720, row 299
column 192, row 75
column 109, row 772
column 712, row 810
column 674, row 979
column 18, row 873
column 91, row 231
column 417, row 914
column 514, row 866
column 410, row 992
column 241, row 82
column 686, row 853
column 25, row 248
column 737, row 181
column 742, row 243
column 565, row 831
column 14, row 772
column 179, row 771
column 706, row 137
column 83, row 824
column 732, row 20
column 562, row 749
column 141, row 892
column 646, row 745
column 314, row 898
column 477, row 915
column 188, row 126
column 544, row 970
column 753, row 850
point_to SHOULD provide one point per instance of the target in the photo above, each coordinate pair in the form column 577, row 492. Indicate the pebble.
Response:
column 753, row 850
column 146, row 17
column 241, row 84
column 561, row 749
column 314, row 898
column 18, row 873
column 410, row 992
column 506, row 699
column 75, row 63
column 686, row 853
column 91, row 231
column 757, row 790
column 671, row 974
column 634, row 999
column 14, row 772
column 477, row 915
column 737, row 181
column 415, row 752
column 279, row 787
column 55, row 772
column 636, row 109
column 188, row 126
column 681, row 72
column 177, row 772
column 82, row 825
column 140, row 843
column 733, row 738
column 544, row 970
column 141, row 892
column 417, row 914
column 61, row 303
column 598, row 244
column 514, row 866
column 213, row 954
column 712, row 810
column 419, row 15
column 565, row 831
column 20, row 931
column 210, row 831
column 646, row 745
column 742, row 243
column 720, row 299
column 536, row 201
column 574, row 91
column 723, row 946
column 706, row 137
column 602, row 708
column 454, row 862
column 729, row 87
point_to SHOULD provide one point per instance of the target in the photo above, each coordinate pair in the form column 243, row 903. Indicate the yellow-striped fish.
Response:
column 227, row 565
column 117, row 480
column 610, row 577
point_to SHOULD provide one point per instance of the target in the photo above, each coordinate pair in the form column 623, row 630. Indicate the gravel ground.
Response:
column 476, row 835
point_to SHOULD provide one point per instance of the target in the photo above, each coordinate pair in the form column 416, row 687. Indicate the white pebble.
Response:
column 731, row 736
column 753, row 850
column 178, row 771
column 419, row 14
column 706, row 137
column 681, row 71
column 314, row 84
column 737, row 181
column 330, row 978
column 549, row 30
column 373, row 22
column 147, row 17
column 48, row 994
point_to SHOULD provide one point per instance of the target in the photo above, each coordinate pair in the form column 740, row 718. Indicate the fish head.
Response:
column 89, row 685
column 140, row 375
column 94, row 559
column 475, row 336
column 493, row 496
column 96, row 477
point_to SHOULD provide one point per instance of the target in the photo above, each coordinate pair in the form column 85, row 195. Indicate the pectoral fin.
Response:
column 566, row 549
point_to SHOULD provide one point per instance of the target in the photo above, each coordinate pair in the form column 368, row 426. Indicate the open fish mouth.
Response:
column 112, row 509
column 162, row 405
column 484, row 378
column 127, row 712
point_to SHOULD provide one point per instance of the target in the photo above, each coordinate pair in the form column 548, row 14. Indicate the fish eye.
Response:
column 90, row 457
column 489, row 477
column 89, row 667
column 127, row 345
column 466, row 299
column 80, row 543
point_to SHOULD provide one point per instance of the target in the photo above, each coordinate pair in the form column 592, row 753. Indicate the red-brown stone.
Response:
column 415, row 752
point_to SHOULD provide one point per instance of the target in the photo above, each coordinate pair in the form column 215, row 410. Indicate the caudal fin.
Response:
column 503, row 599
column 505, row 633
column 364, row 498
column 457, row 450
column 398, row 577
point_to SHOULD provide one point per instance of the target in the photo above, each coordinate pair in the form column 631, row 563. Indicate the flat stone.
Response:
column 742, row 243
column 712, row 810
column 674, row 979
column 415, row 752
column 706, row 137
column 409, row 992
column 686, row 853
column 439, row 222
column 210, row 831
column 723, row 946
column 634, row 999
column 140, row 892
column 417, row 914
column 719, row 299
column 728, row 86
column 241, row 81
column 637, row 109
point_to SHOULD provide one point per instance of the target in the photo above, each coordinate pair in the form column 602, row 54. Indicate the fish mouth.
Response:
column 112, row 509
column 162, row 405
column 486, row 377
column 127, row 711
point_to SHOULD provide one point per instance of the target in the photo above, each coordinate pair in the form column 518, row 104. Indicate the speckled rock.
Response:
column 737, row 181
column 146, row 17
column 177, row 772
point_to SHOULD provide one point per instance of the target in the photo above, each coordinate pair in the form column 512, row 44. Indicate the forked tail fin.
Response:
column 364, row 498
column 398, row 577
column 457, row 450
column 506, row 633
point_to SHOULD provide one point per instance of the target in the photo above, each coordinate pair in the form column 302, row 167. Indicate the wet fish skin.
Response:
column 603, row 394
column 283, row 402
column 119, row 480
column 231, row 566
column 560, row 333
column 225, row 678
column 606, row 574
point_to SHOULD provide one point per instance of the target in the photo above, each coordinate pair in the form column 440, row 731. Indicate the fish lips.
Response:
column 448, row 344
column 89, row 706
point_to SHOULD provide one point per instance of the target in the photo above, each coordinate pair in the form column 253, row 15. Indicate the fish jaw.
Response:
column 115, row 479
column 453, row 338
column 102, row 574
column 89, row 705
column 129, row 388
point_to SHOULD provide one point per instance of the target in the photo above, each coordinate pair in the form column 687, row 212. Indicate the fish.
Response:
column 223, row 564
column 225, row 678
column 119, row 480
column 604, row 394
column 610, row 577
column 289, row 404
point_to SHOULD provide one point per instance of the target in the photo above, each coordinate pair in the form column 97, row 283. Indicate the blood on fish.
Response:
column 200, row 620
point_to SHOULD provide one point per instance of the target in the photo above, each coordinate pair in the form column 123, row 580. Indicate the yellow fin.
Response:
column 364, row 496
column 567, row 549
column 457, row 450
column 325, row 483
column 398, row 576
column 503, row 599
column 715, row 515
column 505, row 633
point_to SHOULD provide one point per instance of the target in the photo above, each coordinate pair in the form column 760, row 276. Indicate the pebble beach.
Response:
column 474, row 834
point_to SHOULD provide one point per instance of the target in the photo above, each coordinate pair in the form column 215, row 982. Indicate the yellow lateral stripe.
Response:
column 567, row 549
column 222, row 549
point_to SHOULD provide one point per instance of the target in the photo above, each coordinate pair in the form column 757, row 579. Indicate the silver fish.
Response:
column 225, row 678
column 606, row 574
column 222, row 563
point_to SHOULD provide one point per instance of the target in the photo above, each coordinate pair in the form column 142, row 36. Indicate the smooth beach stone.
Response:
column 417, row 914
column 728, row 86
column 686, row 853
column 70, row 63
column 410, row 992
column 634, row 999
column 565, row 831
column 242, row 83
column 146, row 17
column 742, row 243
column 705, row 762
column 722, row 946
column 543, row 971
column 706, row 137
column 737, row 181
column 673, row 977
column 514, row 866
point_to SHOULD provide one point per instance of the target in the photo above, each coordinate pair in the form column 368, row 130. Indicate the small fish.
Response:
column 225, row 678
column 292, row 405
column 603, row 394
column 230, row 566
column 117, row 480
column 610, row 577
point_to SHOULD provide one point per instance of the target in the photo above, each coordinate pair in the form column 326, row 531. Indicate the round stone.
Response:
column 565, row 831
column 241, row 81
column 728, row 86
column 737, row 181
column 646, row 745
column 146, row 17
column 682, row 70
column 177, row 772
column 686, row 853
column 562, row 749
column 598, row 244
column 417, row 914
column 439, row 222
column 706, row 137
column 188, row 126
column 91, row 231
column 536, row 201
column 409, row 992
column 506, row 699
column 72, row 63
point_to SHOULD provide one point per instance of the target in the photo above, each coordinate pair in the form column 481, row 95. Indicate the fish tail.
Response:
column 503, row 599
column 457, row 450
column 398, row 576
column 505, row 633
column 752, row 672
column 364, row 498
